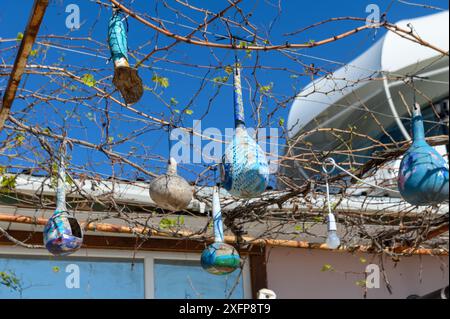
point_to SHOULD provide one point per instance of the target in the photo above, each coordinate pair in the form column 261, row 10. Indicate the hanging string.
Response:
column 331, row 161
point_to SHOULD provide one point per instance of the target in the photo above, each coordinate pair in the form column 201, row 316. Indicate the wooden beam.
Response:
column 437, row 232
column 258, row 271
column 26, row 45
column 111, row 228
column 125, row 243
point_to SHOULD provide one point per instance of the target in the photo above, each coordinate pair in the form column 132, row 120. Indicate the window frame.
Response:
column 147, row 257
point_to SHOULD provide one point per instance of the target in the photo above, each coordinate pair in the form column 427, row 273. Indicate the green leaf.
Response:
column 10, row 280
column 281, row 121
column 229, row 70
column 162, row 81
column 167, row 223
column 318, row 219
column 242, row 44
column 34, row 52
column 362, row 260
column 361, row 283
column 55, row 269
column 88, row 79
column 188, row 112
column 327, row 267
column 8, row 182
column 173, row 101
column 266, row 88
column 19, row 139
column 298, row 228
column 19, row 36
column 221, row 79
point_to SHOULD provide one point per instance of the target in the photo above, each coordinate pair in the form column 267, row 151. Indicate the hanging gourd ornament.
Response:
column 219, row 258
column 171, row 191
column 126, row 78
column 245, row 171
column 62, row 233
column 423, row 177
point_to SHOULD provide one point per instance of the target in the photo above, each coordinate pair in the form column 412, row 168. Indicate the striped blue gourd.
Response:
column 62, row 233
column 219, row 258
column 423, row 177
column 245, row 167
column 126, row 78
column 117, row 39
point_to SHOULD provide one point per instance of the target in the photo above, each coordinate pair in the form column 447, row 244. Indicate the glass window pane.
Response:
column 186, row 279
column 57, row 278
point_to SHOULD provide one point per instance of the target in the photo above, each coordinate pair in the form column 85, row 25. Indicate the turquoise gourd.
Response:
column 62, row 233
column 244, row 164
column 423, row 177
column 126, row 79
column 219, row 258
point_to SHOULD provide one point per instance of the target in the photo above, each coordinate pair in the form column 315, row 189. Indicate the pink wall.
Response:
column 297, row 273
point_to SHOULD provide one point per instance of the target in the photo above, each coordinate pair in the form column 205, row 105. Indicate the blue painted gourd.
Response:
column 126, row 78
column 423, row 177
column 171, row 191
column 219, row 258
column 245, row 167
column 62, row 233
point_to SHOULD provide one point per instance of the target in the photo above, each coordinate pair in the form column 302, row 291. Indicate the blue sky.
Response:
column 184, row 80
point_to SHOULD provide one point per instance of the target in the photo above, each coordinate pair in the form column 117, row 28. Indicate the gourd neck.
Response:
column 239, row 117
column 60, row 184
column 217, row 217
column 117, row 39
column 172, row 167
column 417, row 127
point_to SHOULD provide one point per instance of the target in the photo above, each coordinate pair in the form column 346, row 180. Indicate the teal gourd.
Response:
column 423, row 176
column 245, row 170
column 126, row 79
column 219, row 258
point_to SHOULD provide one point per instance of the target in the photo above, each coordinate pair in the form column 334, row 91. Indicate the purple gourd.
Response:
column 219, row 258
column 245, row 170
column 62, row 233
column 423, row 176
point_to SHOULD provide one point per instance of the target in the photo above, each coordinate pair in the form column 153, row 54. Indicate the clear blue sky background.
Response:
column 185, row 80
